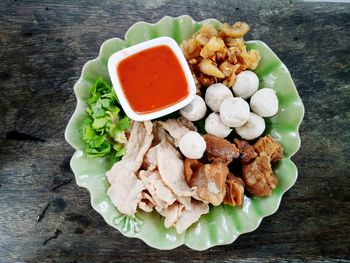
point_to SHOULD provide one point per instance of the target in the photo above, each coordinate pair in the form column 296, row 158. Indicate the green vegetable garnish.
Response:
column 103, row 130
column 201, row 126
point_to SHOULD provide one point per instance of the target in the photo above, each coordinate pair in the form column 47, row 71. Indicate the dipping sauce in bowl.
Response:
column 151, row 79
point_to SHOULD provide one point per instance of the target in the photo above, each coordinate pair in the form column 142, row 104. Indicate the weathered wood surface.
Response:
column 43, row 46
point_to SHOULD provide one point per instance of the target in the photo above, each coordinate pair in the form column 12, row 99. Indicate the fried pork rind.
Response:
column 218, row 56
column 190, row 48
column 205, row 80
column 205, row 34
column 236, row 44
column 234, row 191
column 210, row 68
column 220, row 150
column 238, row 29
column 229, row 71
column 230, row 80
column 258, row 176
column 251, row 59
column 215, row 44
column 269, row 146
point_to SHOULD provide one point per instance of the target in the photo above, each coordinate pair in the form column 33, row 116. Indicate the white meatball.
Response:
column 192, row 145
column 214, row 126
column 253, row 128
column 215, row 95
column 246, row 84
column 264, row 102
column 195, row 110
column 234, row 112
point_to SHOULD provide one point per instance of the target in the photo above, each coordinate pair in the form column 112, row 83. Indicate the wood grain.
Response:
column 43, row 46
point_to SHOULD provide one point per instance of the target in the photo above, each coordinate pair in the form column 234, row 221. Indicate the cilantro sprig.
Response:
column 103, row 130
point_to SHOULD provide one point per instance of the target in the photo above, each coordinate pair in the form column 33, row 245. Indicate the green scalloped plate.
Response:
column 224, row 223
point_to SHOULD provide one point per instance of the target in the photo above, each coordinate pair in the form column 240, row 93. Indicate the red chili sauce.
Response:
column 152, row 79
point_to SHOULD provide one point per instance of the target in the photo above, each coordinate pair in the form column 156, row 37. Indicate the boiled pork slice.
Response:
column 126, row 189
column 147, row 202
column 171, row 169
column 188, row 217
column 160, row 134
column 139, row 142
column 189, row 124
column 150, row 160
column 160, row 193
column 172, row 213
column 185, row 201
column 177, row 128
column 125, row 192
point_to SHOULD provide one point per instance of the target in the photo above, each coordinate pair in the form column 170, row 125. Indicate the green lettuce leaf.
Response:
column 103, row 130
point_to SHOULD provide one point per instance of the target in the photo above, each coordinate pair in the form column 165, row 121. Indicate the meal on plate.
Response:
column 209, row 148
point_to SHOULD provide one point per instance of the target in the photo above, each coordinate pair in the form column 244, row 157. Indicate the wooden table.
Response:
column 46, row 217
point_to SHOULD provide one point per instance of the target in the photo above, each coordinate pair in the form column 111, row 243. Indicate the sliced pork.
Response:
column 177, row 128
column 188, row 217
column 160, row 193
column 150, row 160
column 172, row 213
column 147, row 202
column 187, row 123
column 125, row 192
column 139, row 142
column 160, row 134
column 126, row 189
column 171, row 169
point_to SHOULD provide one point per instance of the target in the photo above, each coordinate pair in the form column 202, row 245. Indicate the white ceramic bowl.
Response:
column 119, row 56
